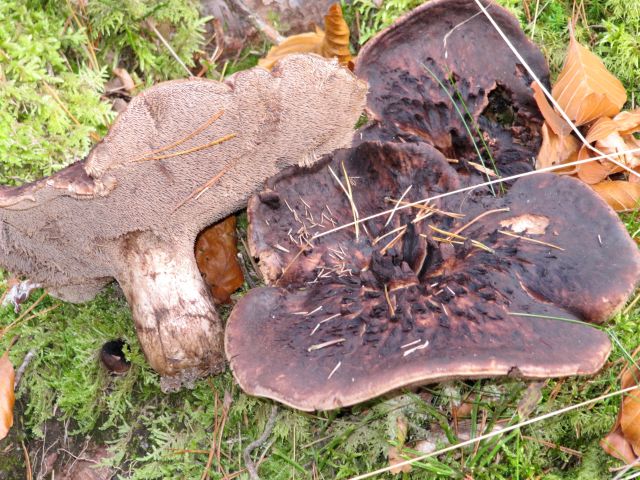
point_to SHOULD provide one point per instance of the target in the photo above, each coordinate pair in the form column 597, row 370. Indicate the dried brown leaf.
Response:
column 556, row 149
column 585, row 89
column 330, row 43
column 127, row 82
column 621, row 195
column 623, row 441
column 552, row 118
column 7, row 395
column 216, row 254
column 394, row 459
column 628, row 122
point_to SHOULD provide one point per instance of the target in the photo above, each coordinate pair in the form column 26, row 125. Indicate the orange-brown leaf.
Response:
column 585, row 89
column 622, row 196
column 628, row 122
column 7, row 395
column 556, row 149
column 333, row 42
column 216, row 254
column 558, row 124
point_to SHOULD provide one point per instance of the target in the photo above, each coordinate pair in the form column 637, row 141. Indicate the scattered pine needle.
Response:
column 184, row 139
column 531, row 240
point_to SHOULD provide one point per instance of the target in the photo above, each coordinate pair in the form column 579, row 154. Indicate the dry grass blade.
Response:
column 585, row 89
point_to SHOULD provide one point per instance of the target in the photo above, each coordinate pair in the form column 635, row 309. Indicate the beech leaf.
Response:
column 623, row 441
column 556, row 149
column 216, row 255
column 7, row 395
column 553, row 119
column 330, row 43
column 621, row 195
column 585, row 89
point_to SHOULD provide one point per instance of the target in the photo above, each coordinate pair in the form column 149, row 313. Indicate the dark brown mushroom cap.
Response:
column 454, row 40
column 327, row 336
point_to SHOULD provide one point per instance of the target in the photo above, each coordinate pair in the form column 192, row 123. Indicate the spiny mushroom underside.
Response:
column 465, row 286
column 184, row 155
column 443, row 75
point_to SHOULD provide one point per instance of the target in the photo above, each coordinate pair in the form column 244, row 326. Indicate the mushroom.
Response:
column 446, row 51
column 183, row 155
column 463, row 286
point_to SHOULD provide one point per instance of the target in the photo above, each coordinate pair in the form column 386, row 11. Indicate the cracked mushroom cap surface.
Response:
column 464, row 286
column 444, row 62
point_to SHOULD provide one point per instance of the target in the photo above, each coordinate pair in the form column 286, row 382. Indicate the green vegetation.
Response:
column 59, row 46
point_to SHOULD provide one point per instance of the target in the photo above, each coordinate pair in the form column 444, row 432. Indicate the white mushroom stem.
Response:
column 178, row 328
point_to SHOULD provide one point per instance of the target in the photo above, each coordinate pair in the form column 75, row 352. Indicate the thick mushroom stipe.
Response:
column 475, row 285
column 454, row 42
column 128, row 211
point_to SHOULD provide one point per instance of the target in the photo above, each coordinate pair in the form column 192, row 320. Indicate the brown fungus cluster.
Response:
column 467, row 285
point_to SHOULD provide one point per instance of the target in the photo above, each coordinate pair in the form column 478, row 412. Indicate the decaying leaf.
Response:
column 7, row 395
column 585, row 89
column 330, row 43
column 589, row 94
column 623, row 441
column 556, row 149
column 621, row 195
column 396, row 458
column 216, row 255
column 551, row 117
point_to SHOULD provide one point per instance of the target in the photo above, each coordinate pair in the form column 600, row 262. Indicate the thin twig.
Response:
column 259, row 23
column 25, row 363
column 248, row 462
column 27, row 461
column 171, row 50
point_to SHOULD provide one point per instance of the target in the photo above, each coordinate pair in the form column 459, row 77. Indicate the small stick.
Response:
column 259, row 23
column 171, row 50
column 251, row 467
column 393, row 212
column 403, row 227
column 532, row 240
column 25, row 363
column 346, row 191
column 415, row 349
column 319, row 346
column 335, row 369
column 392, row 243
column 392, row 310
column 407, row 345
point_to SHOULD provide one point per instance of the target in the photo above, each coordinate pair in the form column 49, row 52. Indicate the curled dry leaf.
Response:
column 585, row 89
column 623, row 441
column 216, row 255
column 621, row 195
column 556, row 149
column 330, row 43
column 7, row 395
column 127, row 82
